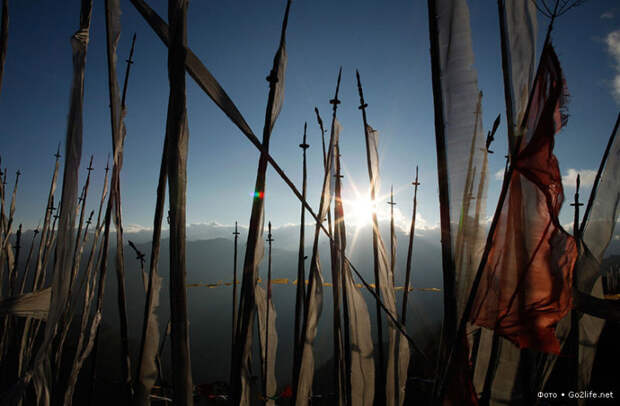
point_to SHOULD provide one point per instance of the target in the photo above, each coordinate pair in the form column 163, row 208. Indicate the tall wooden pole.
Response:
column 462, row 323
column 247, row 301
column 312, row 277
column 300, row 304
column 576, row 204
column 177, row 135
column 234, row 289
column 340, row 238
column 380, row 387
column 112, row 14
column 392, row 235
column 448, row 332
column 266, row 366
column 410, row 250
column 339, row 361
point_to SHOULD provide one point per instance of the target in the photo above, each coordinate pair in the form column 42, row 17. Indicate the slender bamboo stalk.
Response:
column 340, row 244
column 247, row 302
column 392, row 235
column 266, row 366
column 101, row 227
column 25, row 274
column 336, row 281
column 576, row 204
column 510, row 120
column 17, row 247
column 203, row 78
column 77, row 253
column 63, row 249
column 599, row 173
column 440, row 382
column 461, row 238
column 448, row 332
column 78, row 247
column 142, row 387
column 300, row 299
column 5, row 245
column 380, row 387
column 177, row 136
column 315, row 276
column 129, row 62
column 24, row 352
column 415, row 184
column 46, row 222
column 112, row 14
column 234, row 289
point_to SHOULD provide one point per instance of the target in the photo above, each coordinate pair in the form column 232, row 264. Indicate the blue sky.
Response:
column 388, row 43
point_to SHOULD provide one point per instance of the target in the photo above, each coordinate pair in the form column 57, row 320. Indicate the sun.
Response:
column 358, row 211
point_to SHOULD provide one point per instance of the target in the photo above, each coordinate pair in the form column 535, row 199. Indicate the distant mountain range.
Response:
column 211, row 260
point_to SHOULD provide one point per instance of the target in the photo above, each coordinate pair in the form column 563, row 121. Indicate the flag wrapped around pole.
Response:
column 518, row 28
column 525, row 284
column 460, row 149
column 398, row 347
column 314, row 295
column 267, row 327
column 359, row 361
column 595, row 233
column 240, row 371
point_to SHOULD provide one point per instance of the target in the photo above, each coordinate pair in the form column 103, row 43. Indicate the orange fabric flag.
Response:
column 526, row 284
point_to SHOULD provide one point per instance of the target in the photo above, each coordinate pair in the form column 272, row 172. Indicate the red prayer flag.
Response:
column 525, row 287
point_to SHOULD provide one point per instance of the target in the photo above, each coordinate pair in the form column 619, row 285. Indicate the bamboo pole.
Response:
column 336, row 277
column 340, row 244
column 448, row 332
column 24, row 352
column 203, row 78
column 247, row 302
column 22, row 284
column 510, row 120
column 266, row 363
column 415, row 184
column 314, row 271
column 83, row 349
column 77, row 252
column 177, row 135
column 13, row 274
column 142, row 389
column 62, row 257
column 234, row 289
column 440, row 382
column 599, row 173
column 49, row 209
column 300, row 302
column 380, row 387
column 461, row 237
column 572, row 340
column 576, row 204
column 392, row 235
column 78, row 247
column 129, row 62
column 117, row 112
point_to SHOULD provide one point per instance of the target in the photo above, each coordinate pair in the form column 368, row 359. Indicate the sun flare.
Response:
column 359, row 210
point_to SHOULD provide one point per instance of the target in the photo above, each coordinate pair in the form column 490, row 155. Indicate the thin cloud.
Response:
column 499, row 175
column 587, row 177
column 135, row 228
column 613, row 48
column 607, row 15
